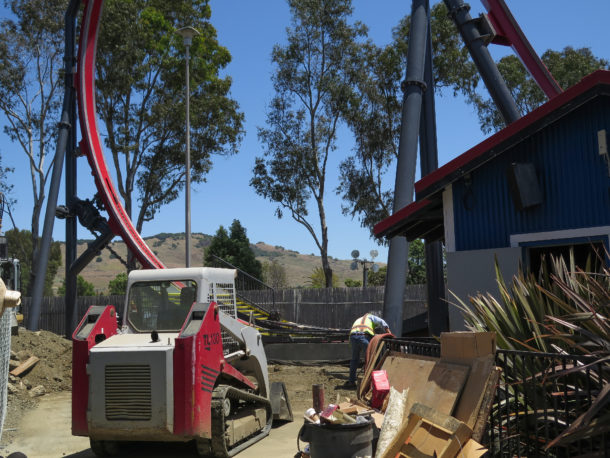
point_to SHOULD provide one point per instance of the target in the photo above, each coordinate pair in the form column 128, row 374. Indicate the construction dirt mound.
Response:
column 47, row 358
column 53, row 371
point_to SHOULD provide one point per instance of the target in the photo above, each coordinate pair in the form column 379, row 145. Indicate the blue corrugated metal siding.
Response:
column 572, row 175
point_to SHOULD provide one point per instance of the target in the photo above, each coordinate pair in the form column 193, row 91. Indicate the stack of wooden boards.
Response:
column 449, row 399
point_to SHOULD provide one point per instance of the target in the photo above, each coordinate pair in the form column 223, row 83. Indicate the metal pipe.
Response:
column 91, row 252
column 65, row 125
column 492, row 78
column 188, row 163
column 71, row 294
column 413, row 88
column 438, row 313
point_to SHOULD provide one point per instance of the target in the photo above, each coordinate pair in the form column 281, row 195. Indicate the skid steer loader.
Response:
column 180, row 367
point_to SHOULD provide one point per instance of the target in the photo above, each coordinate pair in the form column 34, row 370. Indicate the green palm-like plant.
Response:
column 562, row 310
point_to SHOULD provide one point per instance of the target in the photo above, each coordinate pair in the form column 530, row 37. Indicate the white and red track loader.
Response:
column 181, row 367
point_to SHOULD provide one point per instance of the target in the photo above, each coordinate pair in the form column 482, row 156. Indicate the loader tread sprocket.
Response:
column 218, row 441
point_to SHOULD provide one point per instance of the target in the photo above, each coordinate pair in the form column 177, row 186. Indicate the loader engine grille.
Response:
column 128, row 392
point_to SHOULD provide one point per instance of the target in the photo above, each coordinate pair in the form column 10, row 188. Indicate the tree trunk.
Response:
column 35, row 236
column 131, row 259
column 328, row 272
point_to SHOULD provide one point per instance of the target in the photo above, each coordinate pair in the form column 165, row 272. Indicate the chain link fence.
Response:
column 5, row 354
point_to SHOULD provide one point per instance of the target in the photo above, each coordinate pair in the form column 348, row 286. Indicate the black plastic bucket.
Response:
column 339, row 441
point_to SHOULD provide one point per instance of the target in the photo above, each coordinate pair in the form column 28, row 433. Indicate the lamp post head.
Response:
column 187, row 34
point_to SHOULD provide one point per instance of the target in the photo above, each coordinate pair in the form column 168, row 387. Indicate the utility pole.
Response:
column 187, row 34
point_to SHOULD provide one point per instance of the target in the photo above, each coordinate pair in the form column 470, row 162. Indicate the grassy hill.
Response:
column 170, row 248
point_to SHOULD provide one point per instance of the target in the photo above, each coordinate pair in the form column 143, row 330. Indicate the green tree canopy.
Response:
column 568, row 67
column 141, row 99
column 233, row 248
column 351, row 283
column 365, row 186
column 20, row 247
column 31, row 59
column 375, row 118
column 317, row 279
column 6, row 186
column 118, row 285
column 378, row 278
column 313, row 82
column 83, row 287
column 417, row 267
column 274, row 274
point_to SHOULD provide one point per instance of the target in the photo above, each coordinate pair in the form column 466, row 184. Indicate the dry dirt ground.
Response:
column 39, row 424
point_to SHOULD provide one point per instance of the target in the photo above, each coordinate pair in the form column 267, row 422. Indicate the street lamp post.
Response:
column 187, row 34
column 365, row 268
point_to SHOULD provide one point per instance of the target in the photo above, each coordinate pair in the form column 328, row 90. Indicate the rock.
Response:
column 12, row 389
column 17, row 455
column 13, row 379
column 37, row 391
column 25, row 382
column 23, row 355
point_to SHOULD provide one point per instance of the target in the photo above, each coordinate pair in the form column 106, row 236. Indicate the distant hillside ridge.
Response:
column 170, row 248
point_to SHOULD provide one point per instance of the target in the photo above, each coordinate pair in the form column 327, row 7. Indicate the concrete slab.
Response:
column 44, row 432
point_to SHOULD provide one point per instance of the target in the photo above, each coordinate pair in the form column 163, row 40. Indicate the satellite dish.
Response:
column 374, row 253
column 354, row 266
column 355, row 253
column 375, row 268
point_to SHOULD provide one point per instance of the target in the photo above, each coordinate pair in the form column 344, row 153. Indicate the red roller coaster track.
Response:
column 91, row 144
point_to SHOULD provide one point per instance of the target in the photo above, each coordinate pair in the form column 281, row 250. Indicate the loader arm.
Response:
column 251, row 358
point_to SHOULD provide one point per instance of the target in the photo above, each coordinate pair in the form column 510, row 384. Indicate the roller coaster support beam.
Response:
column 508, row 33
column 476, row 42
column 413, row 88
column 67, row 128
column 438, row 312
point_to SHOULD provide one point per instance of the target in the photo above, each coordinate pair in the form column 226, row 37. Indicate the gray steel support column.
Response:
column 405, row 167
column 492, row 78
column 93, row 250
column 187, row 231
column 438, row 313
column 71, row 295
column 66, row 125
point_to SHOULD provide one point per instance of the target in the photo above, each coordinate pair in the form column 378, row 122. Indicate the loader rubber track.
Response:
column 218, row 442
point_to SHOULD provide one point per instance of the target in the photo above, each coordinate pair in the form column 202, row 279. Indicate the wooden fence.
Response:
column 53, row 310
column 326, row 307
column 339, row 307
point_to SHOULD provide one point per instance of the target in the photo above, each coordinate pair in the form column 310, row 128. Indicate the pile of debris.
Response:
column 41, row 362
column 414, row 405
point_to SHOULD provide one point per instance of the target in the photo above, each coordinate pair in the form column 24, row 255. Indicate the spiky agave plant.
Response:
column 583, row 326
column 563, row 310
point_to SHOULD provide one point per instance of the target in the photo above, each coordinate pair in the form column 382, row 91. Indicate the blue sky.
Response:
column 249, row 29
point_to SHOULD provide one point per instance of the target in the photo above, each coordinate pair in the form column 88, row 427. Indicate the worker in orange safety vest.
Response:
column 363, row 330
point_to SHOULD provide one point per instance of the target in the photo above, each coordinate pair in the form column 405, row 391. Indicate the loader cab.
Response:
column 160, row 305
column 161, row 299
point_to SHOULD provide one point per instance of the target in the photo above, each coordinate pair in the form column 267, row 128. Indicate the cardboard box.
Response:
column 460, row 346
column 381, row 388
